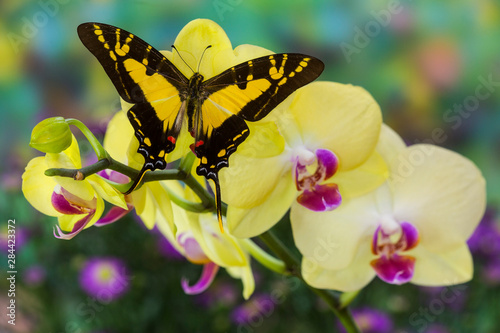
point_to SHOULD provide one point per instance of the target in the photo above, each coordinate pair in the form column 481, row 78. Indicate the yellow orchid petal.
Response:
column 73, row 153
column 246, row 223
column 246, row 275
column 335, row 238
column 389, row 144
column 163, row 203
column 145, row 206
column 118, row 132
column 107, row 192
column 222, row 249
column 37, row 188
column 439, row 191
column 374, row 171
column 363, row 179
column 353, row 277
column 98, row 212
column 342, row 118
column 247, row 52
column 442, row 268
column 264, row 140
column 248, row 182
column 192, row 41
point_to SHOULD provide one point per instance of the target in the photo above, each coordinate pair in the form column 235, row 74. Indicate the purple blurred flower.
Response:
column 453, row 297
column 485, row 241
column 491, row 272
column 21, row 238
column 104, row 278
column 370, row 321
column 259, row 306
column 219, row 294
column 167, row 249
column 34, row 275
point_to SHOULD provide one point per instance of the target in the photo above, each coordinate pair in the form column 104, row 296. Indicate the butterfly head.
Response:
column 199, row 63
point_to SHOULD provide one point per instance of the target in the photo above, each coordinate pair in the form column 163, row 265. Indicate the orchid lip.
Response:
column 392, row 266
column 316, row 196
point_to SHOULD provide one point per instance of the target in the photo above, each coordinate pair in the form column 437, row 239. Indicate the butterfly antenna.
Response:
column 205, row 50
column 218, row 203
column 173, row 46
column 137, row 180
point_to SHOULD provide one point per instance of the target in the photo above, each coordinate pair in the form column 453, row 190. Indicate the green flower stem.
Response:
column 96, row 145
column 187, row 163
column 195, row 207
column 347, row 297
column 79, row 174
column 263, row 257
column 293, row 267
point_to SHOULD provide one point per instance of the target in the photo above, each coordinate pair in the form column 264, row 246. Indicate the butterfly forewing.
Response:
column 253, row 88
column 144, row 77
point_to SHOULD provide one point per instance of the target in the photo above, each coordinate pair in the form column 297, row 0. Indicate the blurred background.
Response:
column 433, row 66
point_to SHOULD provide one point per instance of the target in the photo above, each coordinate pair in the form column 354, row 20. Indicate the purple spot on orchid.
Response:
column 316, row 196
column 207, row 276
column 389, row 240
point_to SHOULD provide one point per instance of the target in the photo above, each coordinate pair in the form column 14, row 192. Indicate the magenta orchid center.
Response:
column 315, row 195
column 390, row 241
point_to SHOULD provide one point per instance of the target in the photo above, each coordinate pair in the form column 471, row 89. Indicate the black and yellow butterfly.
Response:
column 216, row 109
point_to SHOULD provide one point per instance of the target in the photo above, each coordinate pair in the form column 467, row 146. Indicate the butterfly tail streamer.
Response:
column 137, row 180
column 218, row 203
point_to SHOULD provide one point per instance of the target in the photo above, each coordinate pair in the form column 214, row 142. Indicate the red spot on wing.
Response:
column 171, row 139
column 199, row 143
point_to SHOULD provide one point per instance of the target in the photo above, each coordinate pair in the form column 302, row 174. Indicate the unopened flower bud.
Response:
column 51, row 135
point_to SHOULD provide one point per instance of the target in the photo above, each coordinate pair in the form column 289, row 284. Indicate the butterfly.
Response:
column 215, row 109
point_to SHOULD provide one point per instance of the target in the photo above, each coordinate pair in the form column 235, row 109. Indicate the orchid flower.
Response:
column 413, row 228
column 78, row 204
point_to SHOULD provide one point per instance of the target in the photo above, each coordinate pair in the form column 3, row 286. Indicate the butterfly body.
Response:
column 215, row 109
